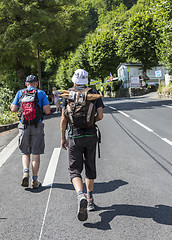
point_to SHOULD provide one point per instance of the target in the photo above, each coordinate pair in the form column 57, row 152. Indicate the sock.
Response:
column 89, row 194
column 79, row 192
column 26, row 170
column 35, row 178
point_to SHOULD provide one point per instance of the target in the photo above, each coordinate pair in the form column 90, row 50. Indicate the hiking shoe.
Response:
column 36, row 184
column 25, row 180
column 90, row 205
column 82, row 208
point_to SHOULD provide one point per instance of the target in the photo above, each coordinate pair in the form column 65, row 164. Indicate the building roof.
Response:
column 129, row 64
column 136, row 65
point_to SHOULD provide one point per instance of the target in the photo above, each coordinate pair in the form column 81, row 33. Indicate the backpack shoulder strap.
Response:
column 72, row 89
column 85, row 92
column 88, row 89
column 22, row 94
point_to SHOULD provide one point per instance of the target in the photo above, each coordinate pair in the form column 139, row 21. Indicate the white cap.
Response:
column 80, row 77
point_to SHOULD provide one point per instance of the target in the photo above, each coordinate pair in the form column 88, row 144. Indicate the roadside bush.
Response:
column 6, row 98
column 8, row 117
column 165, row 90
column 153, row 87
column 116, row 85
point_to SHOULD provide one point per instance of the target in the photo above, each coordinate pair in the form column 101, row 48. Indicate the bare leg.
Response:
column 35, row 164
column 89, row 184
column 57, row 107
column 78, row 184
column 26, row 164
column 26, row 161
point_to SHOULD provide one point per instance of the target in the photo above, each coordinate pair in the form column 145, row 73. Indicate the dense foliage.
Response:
column 6, row 97
column 51, row 38
column 162, row 14
column 138, row 40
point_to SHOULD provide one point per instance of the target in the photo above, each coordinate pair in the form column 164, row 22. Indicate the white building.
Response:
column 132, row 75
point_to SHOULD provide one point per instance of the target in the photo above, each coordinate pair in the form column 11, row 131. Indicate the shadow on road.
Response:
column 161, row 214
column 102, row 187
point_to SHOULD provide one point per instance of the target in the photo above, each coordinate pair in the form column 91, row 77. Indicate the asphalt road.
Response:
column 132, row 191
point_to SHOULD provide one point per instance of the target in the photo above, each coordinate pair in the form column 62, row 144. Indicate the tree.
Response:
column 102, row 53
column 162, row 15
column 138, row 40
column 29, row 28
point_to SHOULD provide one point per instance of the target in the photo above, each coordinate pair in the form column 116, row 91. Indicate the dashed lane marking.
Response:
column 112, row 108
column 141, row 101
column 167, row 141
column 168, row 106
column 126, row 115
column 142, row 125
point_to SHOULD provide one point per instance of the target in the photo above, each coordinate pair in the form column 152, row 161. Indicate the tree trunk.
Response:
column 102, row 78
column 21, row 74
column 144, row 70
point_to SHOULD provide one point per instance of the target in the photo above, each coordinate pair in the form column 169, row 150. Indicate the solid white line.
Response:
column 49, row 176
column 8, row 150
column 45, row 213
column 142, row 125
column 48, row 180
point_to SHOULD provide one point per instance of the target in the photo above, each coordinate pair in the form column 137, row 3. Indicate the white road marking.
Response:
column 46, row 209
column 141, row 101
column 144, row 126
column 167, row 106
column 126, row 115
column 112, row 108
column 49, row 179
column 8, row 150
column 167, row 141
column 49, row 176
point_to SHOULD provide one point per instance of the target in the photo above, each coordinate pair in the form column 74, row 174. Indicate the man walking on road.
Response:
column 31, row 127
column 81, row 145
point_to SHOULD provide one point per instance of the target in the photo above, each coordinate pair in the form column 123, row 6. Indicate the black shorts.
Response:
column 82, row 151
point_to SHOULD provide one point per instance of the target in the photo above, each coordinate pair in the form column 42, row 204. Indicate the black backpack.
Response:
column 80, row 111
column 30, row 112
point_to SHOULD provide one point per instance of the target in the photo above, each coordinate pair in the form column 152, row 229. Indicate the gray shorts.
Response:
column 31, row 139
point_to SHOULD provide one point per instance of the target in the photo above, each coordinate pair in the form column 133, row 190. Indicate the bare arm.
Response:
column 14, row 108
column 47, row 109
column 63, row 126
column 99, row 115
